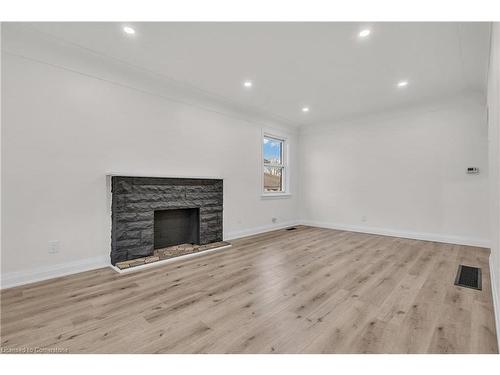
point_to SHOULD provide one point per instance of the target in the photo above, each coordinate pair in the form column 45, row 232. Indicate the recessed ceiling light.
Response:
column 248, row 84
column 402, row 83
column 364, row 33
column 128, row 30
column 305, row 109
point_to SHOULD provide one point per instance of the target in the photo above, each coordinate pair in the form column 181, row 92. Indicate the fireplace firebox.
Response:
column 176, row 227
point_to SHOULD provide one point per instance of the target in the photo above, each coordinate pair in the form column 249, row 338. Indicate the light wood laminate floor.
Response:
column 310, row 290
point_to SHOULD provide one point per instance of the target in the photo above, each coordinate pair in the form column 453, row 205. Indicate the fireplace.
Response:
column 149, row 213
column 176, row 227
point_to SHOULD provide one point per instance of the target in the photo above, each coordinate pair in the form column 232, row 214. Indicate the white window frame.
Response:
column 285, row 166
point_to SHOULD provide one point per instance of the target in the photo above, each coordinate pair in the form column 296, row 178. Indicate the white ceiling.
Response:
column 322, row 65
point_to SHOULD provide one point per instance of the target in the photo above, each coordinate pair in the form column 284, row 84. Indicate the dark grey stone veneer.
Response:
column 135, row 199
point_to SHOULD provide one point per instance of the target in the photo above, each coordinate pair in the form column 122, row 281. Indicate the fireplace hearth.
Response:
column 171, row 252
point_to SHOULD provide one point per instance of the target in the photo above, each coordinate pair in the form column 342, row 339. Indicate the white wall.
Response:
column 401, row 173
column 64, row 127
column 494, row 162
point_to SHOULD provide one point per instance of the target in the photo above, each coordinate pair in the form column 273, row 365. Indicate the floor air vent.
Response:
column 291, row 228
column 468, row 277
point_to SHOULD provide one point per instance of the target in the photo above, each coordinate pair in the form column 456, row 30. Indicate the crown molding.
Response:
column 24, row 41
column 463, row 99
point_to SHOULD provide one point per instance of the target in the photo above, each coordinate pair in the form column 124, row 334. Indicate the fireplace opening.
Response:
column 177, row 226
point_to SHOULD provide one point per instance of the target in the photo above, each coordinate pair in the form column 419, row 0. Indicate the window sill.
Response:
column 275, row 195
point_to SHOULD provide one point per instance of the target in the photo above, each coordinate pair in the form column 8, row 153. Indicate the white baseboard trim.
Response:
column 257, row 230
column 496, row 298
column 12, row 279
column 403, row 234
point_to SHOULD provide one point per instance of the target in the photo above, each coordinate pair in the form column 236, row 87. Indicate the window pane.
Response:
column 273, row 151
column 273, row 179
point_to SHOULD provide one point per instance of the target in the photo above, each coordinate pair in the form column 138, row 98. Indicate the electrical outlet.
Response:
column 53, row 247
column 274, row 220
column 363, row 219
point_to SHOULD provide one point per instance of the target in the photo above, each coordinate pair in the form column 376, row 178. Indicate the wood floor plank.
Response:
column 310, row 290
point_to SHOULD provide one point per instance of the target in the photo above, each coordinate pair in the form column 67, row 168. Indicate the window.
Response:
column 274, row 150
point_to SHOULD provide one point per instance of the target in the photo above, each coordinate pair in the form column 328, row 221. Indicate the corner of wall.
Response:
column 494, row 167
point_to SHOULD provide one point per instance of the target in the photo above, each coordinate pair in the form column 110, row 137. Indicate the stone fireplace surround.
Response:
column 135, row 200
